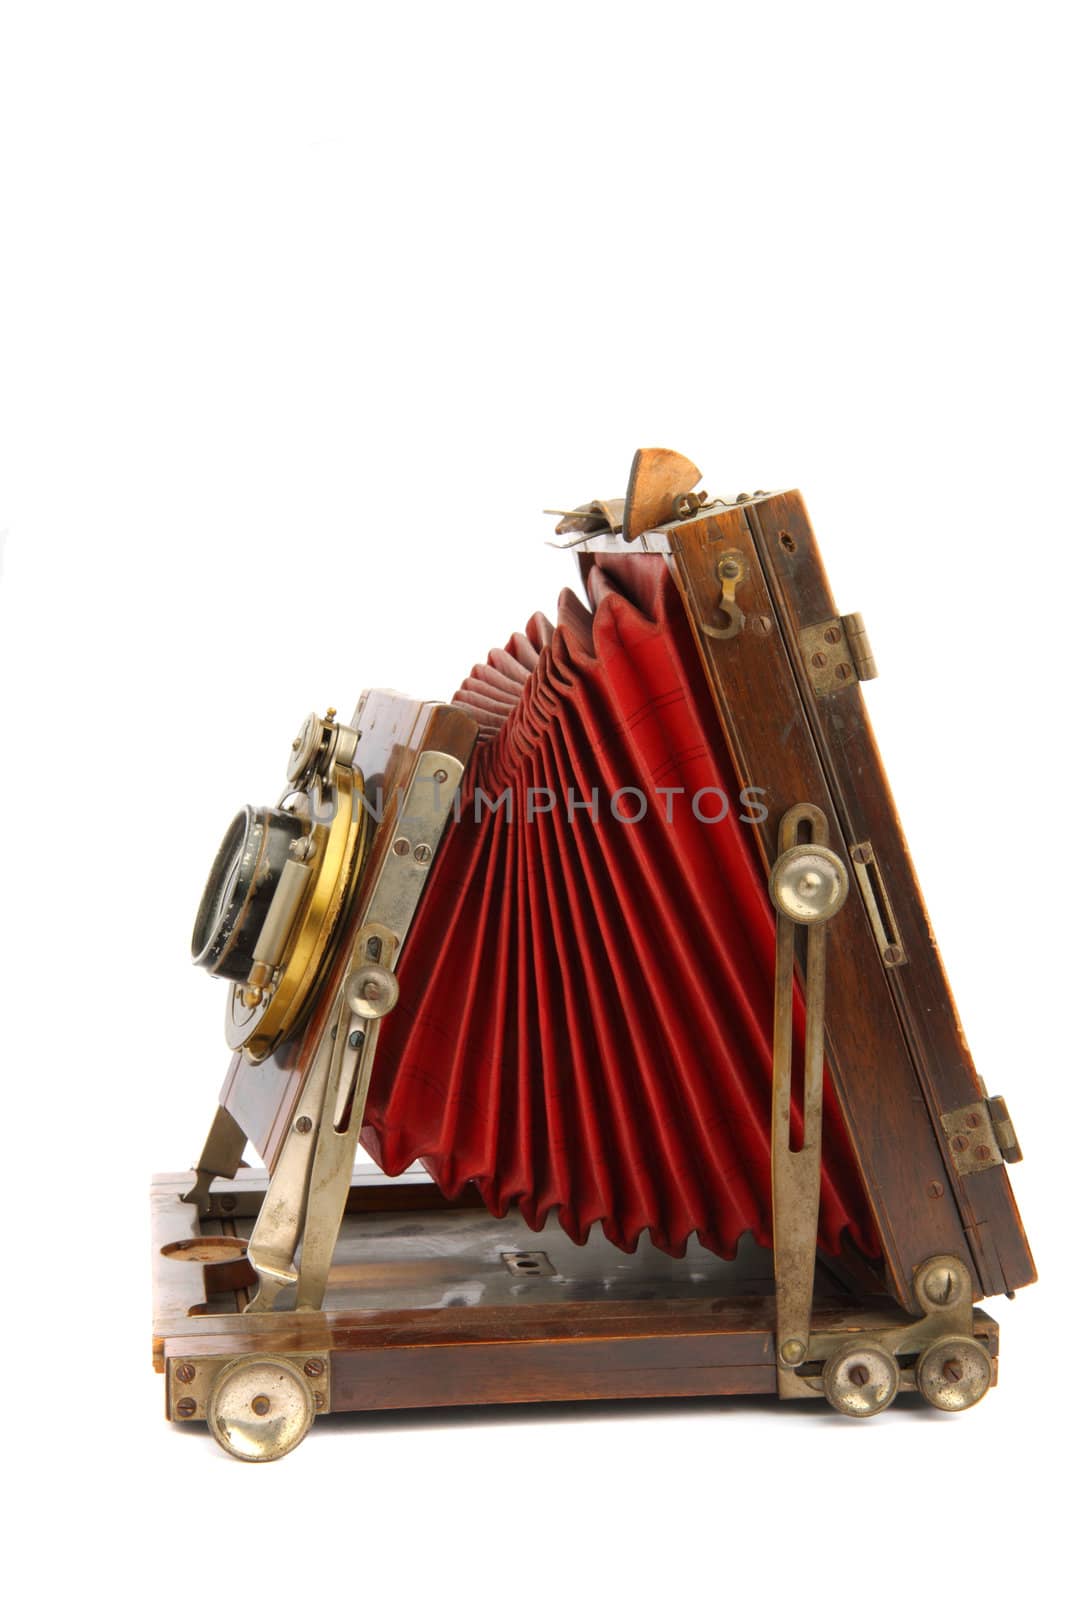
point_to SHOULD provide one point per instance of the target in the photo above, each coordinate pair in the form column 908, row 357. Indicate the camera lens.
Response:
column 240, row 887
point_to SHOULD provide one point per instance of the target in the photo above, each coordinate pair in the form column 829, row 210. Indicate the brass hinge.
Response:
column 981, row 1135
column 837, row 653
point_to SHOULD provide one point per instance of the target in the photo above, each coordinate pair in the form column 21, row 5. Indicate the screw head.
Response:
column 859, row 1375
column 314, row 1367
column 863, row 853
column 186, row 1407
column 355, row 1039
column 983, row 1152
column 952, row 1371
column 762, row 624
column 440, row 776
column 832, row 635
column 303, row 1124
column 819, row 659
column 422, row 853
column 185, row 1372
column 972, row 1119
column 401, row 846
column 843, row 671
column 935, row 1189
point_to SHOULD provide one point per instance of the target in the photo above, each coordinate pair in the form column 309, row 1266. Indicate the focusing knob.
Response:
column 809, row 883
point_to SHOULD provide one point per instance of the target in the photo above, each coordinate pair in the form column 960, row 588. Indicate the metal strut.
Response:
column 809, row 885
column 294, row 1237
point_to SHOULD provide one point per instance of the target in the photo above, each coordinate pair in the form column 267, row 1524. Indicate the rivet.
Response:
column 228, row 1202
column 401, row 846
column 303, row 1124
column 440, row 776
column 314, row 1367
column 185, row 1372
column 792, row 1352
column 355, row 1039
column 319, row 1399
column 186, row 1407
column 261, row 1405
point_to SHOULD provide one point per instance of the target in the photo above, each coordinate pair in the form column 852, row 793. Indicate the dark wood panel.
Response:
column 919, row 988
column 604, row 1369
column 754, row 685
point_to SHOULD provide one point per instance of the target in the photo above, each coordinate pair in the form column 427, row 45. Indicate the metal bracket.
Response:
column 860, row 1370
column 981, row 1135
column 837, row 653
column 190, row 1380
column 221, row 1157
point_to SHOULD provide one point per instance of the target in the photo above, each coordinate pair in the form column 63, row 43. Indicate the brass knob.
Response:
column 371, row 991
column 809, row 883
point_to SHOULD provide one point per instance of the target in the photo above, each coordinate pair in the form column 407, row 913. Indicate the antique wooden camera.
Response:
column 617, row 966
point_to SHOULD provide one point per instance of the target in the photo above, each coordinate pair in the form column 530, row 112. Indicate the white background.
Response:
column 307, row 312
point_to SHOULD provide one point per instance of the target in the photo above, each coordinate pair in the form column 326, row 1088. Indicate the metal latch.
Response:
column 981, row 1135
column 837, row 653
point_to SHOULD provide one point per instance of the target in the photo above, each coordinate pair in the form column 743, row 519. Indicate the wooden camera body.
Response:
column 618, row 964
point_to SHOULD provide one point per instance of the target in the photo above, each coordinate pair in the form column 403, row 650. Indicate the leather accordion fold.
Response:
column 586, row 993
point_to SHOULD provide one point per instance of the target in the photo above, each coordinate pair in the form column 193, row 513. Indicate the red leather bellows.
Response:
column 586, row 1000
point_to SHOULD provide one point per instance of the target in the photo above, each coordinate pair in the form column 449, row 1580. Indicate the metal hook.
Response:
column 731, row 571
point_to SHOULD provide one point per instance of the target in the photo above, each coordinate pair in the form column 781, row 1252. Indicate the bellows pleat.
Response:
column 586, row 992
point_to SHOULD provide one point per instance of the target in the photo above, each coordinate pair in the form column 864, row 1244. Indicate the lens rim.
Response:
column 239, row 889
